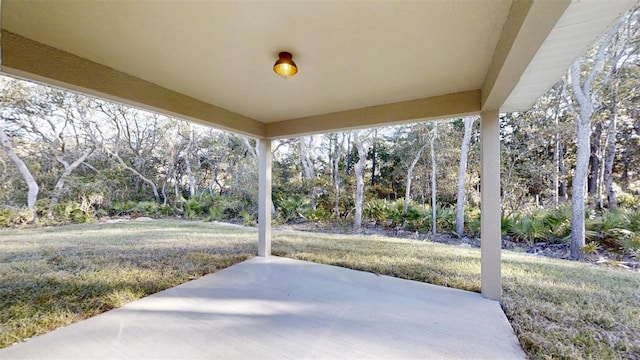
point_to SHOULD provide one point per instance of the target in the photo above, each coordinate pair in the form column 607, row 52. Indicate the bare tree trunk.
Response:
column 407, row 190
column 336, row 174
column 348, row 155
column 307, row 166
column 68, row 169
column 163, row 191
column 176, row 192
column 594, row 160
column 187, row 163
column 562, row 191
column 247, row 145
column 32, row 185
column 359, row 171
column 462, row 173
column 583, row 95
column 556, row 161
column 434, row 215
column 577, row 186
column 154, row 188
column 373, row 157
column 610, row 153
column 600, row 184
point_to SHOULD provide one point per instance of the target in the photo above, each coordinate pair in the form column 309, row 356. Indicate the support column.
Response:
column 264, row 197
column 490, row 235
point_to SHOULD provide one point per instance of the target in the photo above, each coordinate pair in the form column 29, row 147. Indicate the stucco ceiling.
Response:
column 351, row 55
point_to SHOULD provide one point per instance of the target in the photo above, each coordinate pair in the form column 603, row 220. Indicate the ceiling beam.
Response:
column 527, row 26
column 32, row 60
column 437, row 107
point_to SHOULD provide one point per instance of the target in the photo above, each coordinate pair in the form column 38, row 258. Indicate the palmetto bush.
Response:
column 617, row 229
column 558, row 223
column 377, row 210
column 529, row 229
column 541, row 225
column 292, row 207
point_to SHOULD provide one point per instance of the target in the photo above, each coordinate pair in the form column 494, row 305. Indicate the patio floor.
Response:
column 281, row 308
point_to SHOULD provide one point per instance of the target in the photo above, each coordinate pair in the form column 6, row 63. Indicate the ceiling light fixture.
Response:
column 285, row 66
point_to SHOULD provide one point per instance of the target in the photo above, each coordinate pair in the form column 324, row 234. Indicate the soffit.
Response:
column 579, row 27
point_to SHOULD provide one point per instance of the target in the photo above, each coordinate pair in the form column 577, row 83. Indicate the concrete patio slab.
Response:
column 268, row 308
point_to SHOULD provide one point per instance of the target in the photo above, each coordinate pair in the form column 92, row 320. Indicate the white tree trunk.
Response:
column 359, row 171
column 32, row 185
column 556, row 160
column 308, row 171
column 462, row 174
column 610, row 153
column 578, row 186
column 583, row 144
column 407, row 190
column 336, row 174
column 154, row 188
column 68, row 169
column 582, row 94
column 187, row 162
column 434, row 215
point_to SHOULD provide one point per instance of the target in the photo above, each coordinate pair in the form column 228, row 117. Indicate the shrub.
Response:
column 377, row 210
column 626, row 200
column 119, row 208
column 472, row 221
column 591, row 248
column 248, row 219
column 10, row 217
column 74, row 212
column 446, row 218
column 292, row 207
column 193, row 209
column 317, row 214
column 148, row 208
column 416, row 217
column 558, row 223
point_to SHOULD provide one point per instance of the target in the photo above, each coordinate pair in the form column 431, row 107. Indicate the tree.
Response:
column 336, row 150
column 305, row 145
column 583, row 94
column 434, row 170
column 623, row 54
column 134, row 133
column 187, row 162
column 32, row 194
column 359, row 172
column 408, row 179
column 462, row 173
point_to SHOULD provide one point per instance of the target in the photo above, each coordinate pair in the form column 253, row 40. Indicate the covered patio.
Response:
column 361, row 64
column 277, row 308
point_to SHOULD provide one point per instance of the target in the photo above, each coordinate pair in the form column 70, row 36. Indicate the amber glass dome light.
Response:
column 285, row 66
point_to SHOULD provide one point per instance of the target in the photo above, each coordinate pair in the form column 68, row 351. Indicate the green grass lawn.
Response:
column 50, row 277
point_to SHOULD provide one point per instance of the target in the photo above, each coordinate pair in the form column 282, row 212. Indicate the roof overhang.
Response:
column 361, row 64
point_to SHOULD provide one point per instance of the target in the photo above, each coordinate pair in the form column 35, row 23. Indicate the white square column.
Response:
column 264, row 197
column 490, row 234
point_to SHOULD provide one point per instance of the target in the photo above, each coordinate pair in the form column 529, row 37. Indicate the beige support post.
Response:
column 264, row 197
column 490, row 235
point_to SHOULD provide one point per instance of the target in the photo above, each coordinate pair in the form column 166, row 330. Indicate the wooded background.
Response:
column 569, row 164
